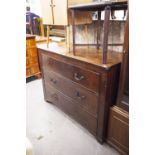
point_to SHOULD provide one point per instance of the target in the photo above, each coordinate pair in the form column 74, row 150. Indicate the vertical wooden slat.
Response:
column 73, row 30
column 105, row 32
column 52, row 5
column 48, row 34
column 98, row 29
column 124, row 65
column 86, row 33
column 42, row 27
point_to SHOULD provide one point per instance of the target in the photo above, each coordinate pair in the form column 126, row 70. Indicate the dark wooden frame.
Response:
column 124, row 66
column 108, row 7
column 118, row 125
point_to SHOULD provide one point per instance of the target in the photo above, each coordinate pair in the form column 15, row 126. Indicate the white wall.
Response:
column 35, row 6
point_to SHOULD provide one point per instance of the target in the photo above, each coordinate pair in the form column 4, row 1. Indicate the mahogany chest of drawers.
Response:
column 32, row 67
column 82, row 89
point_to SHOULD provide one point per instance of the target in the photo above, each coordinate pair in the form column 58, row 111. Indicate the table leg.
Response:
column 106, row 32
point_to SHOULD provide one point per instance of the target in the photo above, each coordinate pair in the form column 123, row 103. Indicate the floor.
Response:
column 52, row 132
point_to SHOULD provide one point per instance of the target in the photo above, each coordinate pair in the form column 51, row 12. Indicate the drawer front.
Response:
column 33, row 60
column 27, row 61
column 71, row 108
column 83, row 97
column 28, row 72
column 34, row 69
column 84, row 77
column 30, row 43
column 31, row 52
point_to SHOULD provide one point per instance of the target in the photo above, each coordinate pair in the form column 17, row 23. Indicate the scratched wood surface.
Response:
column 90, row 55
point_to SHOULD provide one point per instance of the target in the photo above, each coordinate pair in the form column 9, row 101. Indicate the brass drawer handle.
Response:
column 78, row 77
column 54, row 96
column 79, row 96
column 53, row 81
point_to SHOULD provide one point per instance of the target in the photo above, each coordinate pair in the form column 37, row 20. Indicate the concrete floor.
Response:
column 52, row 132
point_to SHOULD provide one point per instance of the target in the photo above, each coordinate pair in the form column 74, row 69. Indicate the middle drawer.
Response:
column 84, row 97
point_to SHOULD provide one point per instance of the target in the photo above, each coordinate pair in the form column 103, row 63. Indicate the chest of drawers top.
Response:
column 87, row 55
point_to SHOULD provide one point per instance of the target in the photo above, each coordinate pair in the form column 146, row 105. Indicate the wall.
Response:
column 35, row 6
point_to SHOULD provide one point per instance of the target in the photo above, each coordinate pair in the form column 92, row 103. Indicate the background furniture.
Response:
column 51, row 11
column 118, row 130
column 54, row 12
column 73, row 2
column 51, row 14
column 108, row 6
column 30, row 20
column 32, row 67
column 29, row 25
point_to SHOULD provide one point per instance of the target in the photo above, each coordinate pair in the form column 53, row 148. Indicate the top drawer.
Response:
column 31, row 52
column 87, row 78
column 30, row 43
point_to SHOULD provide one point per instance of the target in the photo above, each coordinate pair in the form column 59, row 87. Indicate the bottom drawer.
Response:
column 32, row 70
column 28, row 72
column 31, row 60
column 70, row 107
column 35, row 69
